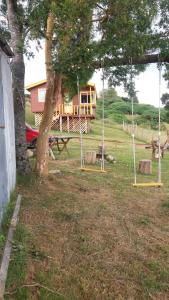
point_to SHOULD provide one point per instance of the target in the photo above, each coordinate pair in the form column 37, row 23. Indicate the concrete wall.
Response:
column 7, row 134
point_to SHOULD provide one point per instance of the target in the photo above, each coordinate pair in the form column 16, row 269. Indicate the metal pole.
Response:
column 81, row 134
column 133, row 126
column 103, row 123
column 159, row 127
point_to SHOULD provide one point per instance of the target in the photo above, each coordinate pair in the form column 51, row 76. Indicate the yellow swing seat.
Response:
column 148, row 184
column 92, row 170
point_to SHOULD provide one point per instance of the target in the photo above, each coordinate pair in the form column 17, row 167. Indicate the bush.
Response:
column 99, row 113
column 151, row 123
column 118, row 118
column 120, row 107
column 139, row 109
column 117, row 110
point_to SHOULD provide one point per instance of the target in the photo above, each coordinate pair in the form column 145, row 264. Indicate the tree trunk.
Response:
column 52, row 94
column 53, row 91
column 18, row 76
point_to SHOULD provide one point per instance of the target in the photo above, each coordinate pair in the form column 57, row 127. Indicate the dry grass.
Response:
column 93, row 236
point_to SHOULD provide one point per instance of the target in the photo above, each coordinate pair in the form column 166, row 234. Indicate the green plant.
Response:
column 29, row 116
column 145, row 220
column 165, row 204
column 8, row 211
column 18, row 263
column 2, row 240
column 150, row 284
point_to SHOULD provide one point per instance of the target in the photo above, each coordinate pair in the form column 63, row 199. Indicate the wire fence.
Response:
column 144, row 134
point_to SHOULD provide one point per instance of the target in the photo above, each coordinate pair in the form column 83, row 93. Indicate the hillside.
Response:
column 119, row 109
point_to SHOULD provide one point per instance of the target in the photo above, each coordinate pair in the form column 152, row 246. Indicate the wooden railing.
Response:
column 82, row 109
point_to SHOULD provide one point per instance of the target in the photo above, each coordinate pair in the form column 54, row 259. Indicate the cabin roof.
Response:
column 31, row 86
column 5, row 47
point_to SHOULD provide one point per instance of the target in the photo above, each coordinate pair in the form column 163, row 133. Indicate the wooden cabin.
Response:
column 70, row 114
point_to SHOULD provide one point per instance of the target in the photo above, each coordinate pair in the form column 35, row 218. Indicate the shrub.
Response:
column 118, row 118
column 145, row 114
column 121, row 107
column 139, row 109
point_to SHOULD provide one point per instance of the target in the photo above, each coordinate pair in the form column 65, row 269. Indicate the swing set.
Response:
column 82, row 158
column 147, row 184
column 102, row 160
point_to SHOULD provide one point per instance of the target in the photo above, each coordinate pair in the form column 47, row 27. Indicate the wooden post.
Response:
column 80, row 127
column 145, row 166
column 51, row 153
column 73, row 125
column 68, row 124
column 136, row 130
column 101, row 149
column 91, row 109
column 166, row 144
column 142, row 136
column 85, row 125
column 123, row 126
column 128, row 128
column 90, row 95
column 61, row 129
column 90, row 157
column 8, row 248
column 155, row 150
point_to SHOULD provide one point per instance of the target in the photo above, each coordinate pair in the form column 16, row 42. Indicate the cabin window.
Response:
column 85, row 98
column 41, row 95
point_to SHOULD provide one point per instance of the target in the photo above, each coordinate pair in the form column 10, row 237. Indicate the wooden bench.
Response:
column 60, row 142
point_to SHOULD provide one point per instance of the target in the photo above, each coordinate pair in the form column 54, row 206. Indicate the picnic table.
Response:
column 60, row 142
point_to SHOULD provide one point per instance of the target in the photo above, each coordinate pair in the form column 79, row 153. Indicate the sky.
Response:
column 147, row 83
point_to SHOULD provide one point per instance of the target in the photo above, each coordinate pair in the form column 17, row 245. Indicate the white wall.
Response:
column 7, row 135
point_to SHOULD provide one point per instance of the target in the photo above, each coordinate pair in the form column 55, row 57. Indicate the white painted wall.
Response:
column 7, row 135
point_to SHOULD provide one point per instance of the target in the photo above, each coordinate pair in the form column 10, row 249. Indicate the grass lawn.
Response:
column 91, row 235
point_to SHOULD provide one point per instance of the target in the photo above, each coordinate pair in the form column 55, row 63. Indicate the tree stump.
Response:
column 145, row 166
column 90, row 157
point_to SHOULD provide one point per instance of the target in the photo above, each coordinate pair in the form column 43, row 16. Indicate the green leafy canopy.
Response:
column 87, row 32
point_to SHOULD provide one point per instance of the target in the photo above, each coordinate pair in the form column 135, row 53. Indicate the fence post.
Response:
column 68, row 124
column 61, row 129
column 123, row 126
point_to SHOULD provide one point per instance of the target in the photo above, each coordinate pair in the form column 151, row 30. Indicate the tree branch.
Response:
column 142, row 60
column 99, row 6
column 35, row 284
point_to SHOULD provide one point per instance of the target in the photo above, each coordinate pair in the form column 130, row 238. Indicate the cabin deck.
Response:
column 68, row 122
